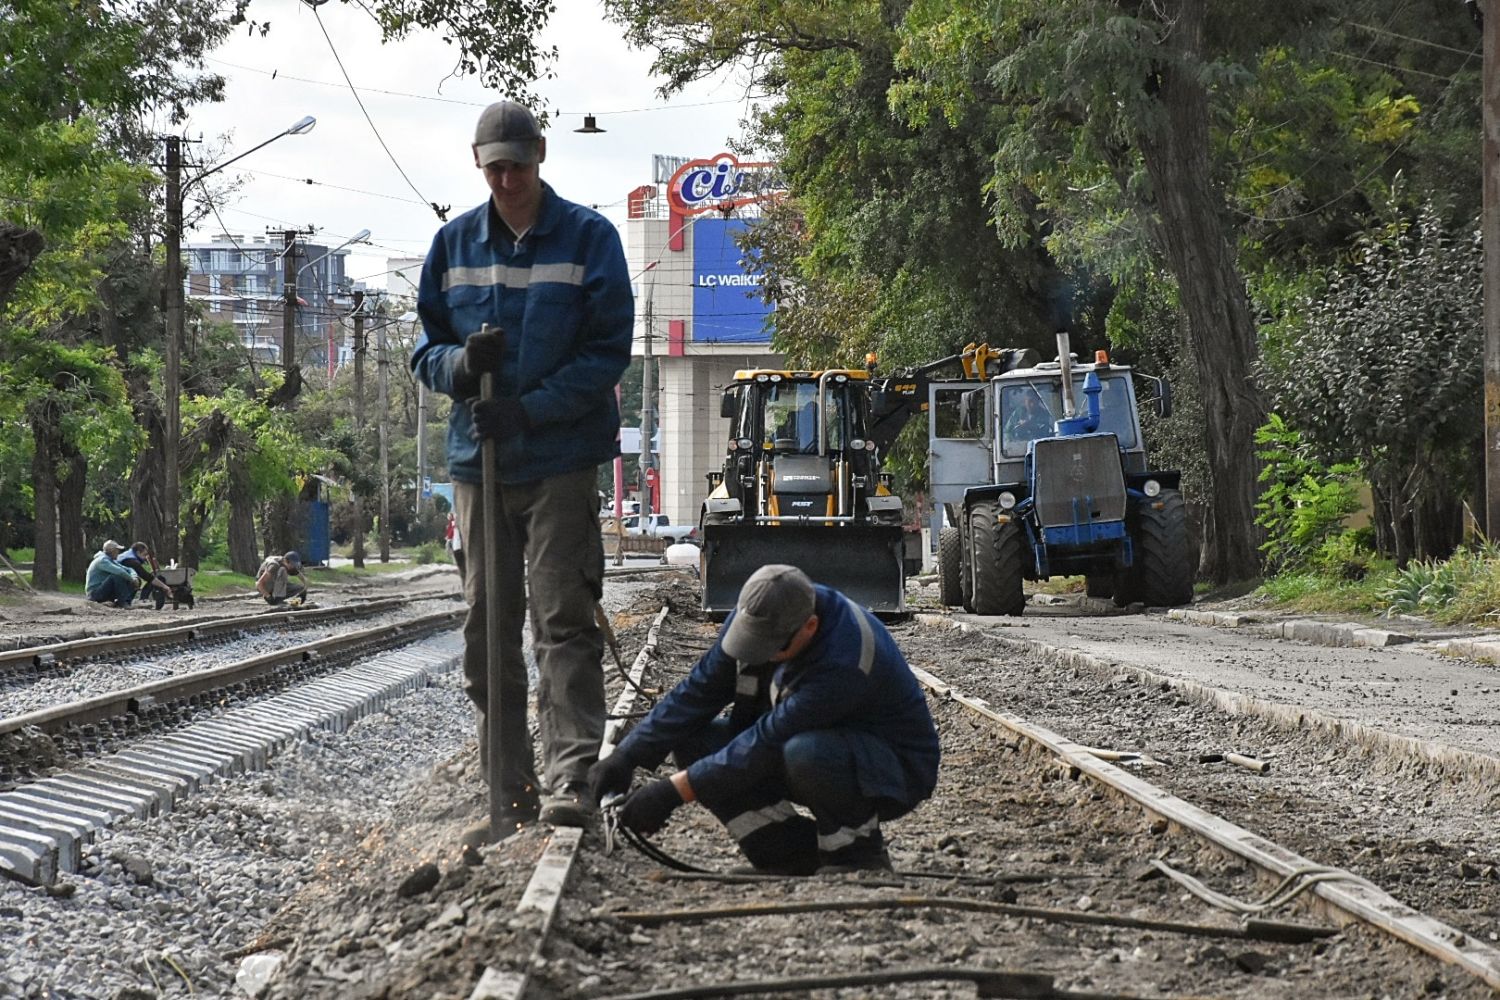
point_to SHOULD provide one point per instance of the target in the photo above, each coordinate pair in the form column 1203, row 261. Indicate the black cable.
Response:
column 442, row 213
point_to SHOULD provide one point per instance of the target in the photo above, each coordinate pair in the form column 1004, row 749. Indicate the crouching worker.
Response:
column 824, row 713
column 108, row 582
column 274, row 582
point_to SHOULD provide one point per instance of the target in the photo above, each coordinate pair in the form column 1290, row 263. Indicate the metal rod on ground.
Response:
column 490, row 513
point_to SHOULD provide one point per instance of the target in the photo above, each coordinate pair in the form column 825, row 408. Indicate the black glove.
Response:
column 482, row 352
column 647, row 808
column 498, row 418
column 610, row 776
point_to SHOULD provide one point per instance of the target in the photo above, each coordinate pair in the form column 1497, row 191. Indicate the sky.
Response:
column 426, row 119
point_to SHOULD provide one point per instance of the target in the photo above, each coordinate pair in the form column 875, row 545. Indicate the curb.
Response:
column 1301, row 630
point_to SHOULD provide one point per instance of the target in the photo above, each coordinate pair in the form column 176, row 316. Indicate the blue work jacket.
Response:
column 851, row 676
column 562, row 295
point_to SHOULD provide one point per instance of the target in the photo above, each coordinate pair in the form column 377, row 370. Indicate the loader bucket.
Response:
column 864, row 562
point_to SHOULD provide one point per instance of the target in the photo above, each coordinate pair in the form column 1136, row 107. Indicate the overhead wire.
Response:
column 441, row 212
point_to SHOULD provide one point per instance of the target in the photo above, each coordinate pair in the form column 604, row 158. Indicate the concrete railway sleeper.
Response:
column 77, row 780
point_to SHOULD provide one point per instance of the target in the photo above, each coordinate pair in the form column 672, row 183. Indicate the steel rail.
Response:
column 544, row 892
column 1356, row 899
column 128, row 700
column 150, row 638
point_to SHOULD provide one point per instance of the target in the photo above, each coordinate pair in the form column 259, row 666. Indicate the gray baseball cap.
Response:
column 775, row 602
column 507, row 131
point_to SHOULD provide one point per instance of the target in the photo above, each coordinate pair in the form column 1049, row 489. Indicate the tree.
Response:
column 1382, row 361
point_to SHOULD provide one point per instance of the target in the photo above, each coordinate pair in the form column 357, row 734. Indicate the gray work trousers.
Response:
column 549, row 551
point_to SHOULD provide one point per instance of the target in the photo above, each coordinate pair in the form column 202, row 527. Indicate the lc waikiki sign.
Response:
column 721, row 182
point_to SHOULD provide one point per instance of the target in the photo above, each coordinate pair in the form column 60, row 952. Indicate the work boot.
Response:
column 569, row 805
column 521, row 811
column 786, row 868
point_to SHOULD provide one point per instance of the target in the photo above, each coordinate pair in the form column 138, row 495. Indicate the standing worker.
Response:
column 549, row 278
column 825, row 714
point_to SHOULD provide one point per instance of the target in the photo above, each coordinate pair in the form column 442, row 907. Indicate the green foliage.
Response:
column 1464, row 588
column 1381, row 362
column 1304, row 503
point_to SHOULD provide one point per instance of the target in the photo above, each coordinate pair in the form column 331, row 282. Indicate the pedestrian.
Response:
column 274, row 581
column 455, row 543
column 824, row 713
column 549, row 278
column 139, row 560
column 108, row 582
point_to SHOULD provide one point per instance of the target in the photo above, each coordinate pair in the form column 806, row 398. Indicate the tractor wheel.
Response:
column 950, row 567
column 1099, row 585
column 996, row 554
column 1165, row 575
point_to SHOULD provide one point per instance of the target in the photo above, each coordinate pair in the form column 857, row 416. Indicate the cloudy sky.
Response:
column 426, row 120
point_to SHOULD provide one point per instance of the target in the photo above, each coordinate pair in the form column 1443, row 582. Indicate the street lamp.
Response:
column 176, row 191
column 289, row 303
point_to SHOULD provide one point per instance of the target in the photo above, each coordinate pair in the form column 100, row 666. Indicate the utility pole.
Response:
column 385, row 456
column 648, row 394
column 421, row 443
column 289, row 305
column 172, row 434
column 359, row 420
column 1490, row 28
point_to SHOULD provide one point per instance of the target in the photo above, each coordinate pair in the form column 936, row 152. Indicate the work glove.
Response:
column 482, row 352
column 646, row 809
column 498, row 418
column 610, row 776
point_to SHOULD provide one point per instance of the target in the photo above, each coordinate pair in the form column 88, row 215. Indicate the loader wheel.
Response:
column 1162, row 575
column 950, row 567
column 996, row 555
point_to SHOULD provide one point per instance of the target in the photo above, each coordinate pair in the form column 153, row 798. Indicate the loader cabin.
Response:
column 801, row 435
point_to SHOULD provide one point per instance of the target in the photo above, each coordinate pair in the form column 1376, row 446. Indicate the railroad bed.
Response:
column 1022, row 871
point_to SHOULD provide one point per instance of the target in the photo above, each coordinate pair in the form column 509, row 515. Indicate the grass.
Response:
column 1463, row 590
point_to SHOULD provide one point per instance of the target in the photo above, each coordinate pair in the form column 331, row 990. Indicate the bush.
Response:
column 1304, row 503
column 428, row 553
column 1466, row 588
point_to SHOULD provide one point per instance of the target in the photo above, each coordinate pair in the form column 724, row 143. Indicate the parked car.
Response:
column 660, row 526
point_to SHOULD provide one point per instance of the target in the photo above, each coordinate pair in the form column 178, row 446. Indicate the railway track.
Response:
column 70, row 770
column 1044, row 866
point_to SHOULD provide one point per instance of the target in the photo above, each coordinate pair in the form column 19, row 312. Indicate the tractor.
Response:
column 1035, row 485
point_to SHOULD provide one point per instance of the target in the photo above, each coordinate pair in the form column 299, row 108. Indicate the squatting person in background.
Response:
column 825, row 713
column 274, row 581
column 138, row 560
column 550, row 280
column 107, row 582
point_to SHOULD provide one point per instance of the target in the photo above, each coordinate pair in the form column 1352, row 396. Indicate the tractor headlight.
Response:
column 858, row 444
column 1152, row 488
column 1007, row 500
column 744, row 444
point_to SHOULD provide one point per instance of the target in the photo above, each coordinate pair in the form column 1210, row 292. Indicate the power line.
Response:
column 442, row 212
column 337, row 187
column 1467, row 53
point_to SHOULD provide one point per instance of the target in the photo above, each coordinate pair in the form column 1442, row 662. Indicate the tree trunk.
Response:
column 19, row 246
column 243, row 557
column 194, row 517
column 147, row 520
column 1190, row 230
column 44, row 432
column 71, row 542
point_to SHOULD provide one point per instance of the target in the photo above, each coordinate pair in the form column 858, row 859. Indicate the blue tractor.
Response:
column 1035, row 485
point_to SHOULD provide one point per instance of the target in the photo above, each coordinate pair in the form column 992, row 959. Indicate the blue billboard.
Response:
column 726, row 300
